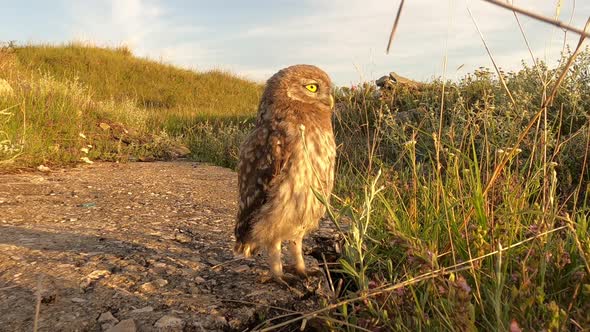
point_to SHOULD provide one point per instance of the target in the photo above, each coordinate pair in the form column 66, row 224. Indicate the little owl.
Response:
column 287, row 156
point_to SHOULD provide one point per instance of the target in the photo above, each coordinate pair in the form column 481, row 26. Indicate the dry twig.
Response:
column 545, row 19
column 399, row 12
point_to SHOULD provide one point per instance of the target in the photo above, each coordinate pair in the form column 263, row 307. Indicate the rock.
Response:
column 106, row 317
column 97, row 274
column 388, row 81
column 43, row 168
column 107, row 320
column 152, row 286
column 161, row 282
column 169, row 323
column 241, row 268
column 183, row 238
column 87, row 160
column 92, row 277
column 241, row 317
column 179, row 150
column 148, row 287
column 216, row 321
column 199, row 280
column 142, row 310
column 48, row 296
column 213, row 261
column 127, row 325
column 77, row 300
column 147, row 158
column 382, row 81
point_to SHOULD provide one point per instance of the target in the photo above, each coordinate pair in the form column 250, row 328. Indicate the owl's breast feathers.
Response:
column 276, row 171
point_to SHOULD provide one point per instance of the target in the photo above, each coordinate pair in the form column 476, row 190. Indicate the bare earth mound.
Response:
column 147, row 242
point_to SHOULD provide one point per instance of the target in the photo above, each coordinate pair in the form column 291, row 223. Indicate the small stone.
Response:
column 183, row 238
column 107, row 317
column 77, row 300
column 152, row 286
column 48, row 296
column 92, row 277
column 148, row 287
column 241, row 269
column 242, row 316
column 142, row 310
column 199, row 280
column 216, row 321
column 169, row 323
column 43, row 168
column 160, row 265
column 213, row 261
column 87, row 160
column 98, row 274
column 179, row 151
column 382, row 80
column 127, row 325
column 107, row 320
column 161, row 282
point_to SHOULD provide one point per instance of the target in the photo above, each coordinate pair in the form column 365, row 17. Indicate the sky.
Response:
column 346, row 38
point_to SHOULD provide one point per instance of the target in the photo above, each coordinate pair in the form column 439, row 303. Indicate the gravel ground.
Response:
column 132, row 247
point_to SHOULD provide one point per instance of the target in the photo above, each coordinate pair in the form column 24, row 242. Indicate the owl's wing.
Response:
column 262, row 158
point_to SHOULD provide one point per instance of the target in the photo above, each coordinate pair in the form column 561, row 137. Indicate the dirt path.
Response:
column 150, row 242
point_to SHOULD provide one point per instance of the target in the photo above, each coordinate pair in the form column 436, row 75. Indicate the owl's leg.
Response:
column 297, row 253
column 276, row 268
column 274, row 260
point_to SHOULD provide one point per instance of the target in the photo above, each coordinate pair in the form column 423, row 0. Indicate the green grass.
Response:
column 453, row 223
column 463, row 226
column 115, row 74
column 60, row 92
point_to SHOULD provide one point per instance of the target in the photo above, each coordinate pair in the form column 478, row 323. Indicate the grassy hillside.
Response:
column 116, row 74
column 59, row 94
column 467, row 202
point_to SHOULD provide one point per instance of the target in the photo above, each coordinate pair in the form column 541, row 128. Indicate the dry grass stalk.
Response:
column 542, row 18
column 397, row 16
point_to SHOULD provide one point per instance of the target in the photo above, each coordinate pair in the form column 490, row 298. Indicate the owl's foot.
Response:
column 304, row 273
column 287, row 281
column 311, row 272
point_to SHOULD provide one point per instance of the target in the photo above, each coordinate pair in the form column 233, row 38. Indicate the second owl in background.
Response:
column 288, row 155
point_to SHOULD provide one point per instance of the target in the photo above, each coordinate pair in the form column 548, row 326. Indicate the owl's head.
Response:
column 305, row 84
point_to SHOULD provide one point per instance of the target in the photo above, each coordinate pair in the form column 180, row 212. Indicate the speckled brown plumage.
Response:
column 289, row 154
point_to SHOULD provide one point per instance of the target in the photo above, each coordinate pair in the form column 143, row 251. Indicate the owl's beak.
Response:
column 331, row 102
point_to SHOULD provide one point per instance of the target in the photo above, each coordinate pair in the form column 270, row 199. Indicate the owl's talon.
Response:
column 311, row 272
column 305, row 273
column 289, row 281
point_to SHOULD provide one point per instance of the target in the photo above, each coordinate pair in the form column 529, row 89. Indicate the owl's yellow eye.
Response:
column 312, row 87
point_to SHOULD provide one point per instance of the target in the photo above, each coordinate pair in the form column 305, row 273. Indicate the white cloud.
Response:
column 346, row 37
column 135, row 23
column 354, row 33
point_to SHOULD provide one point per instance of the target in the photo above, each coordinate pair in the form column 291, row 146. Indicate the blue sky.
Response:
column 256, row 38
